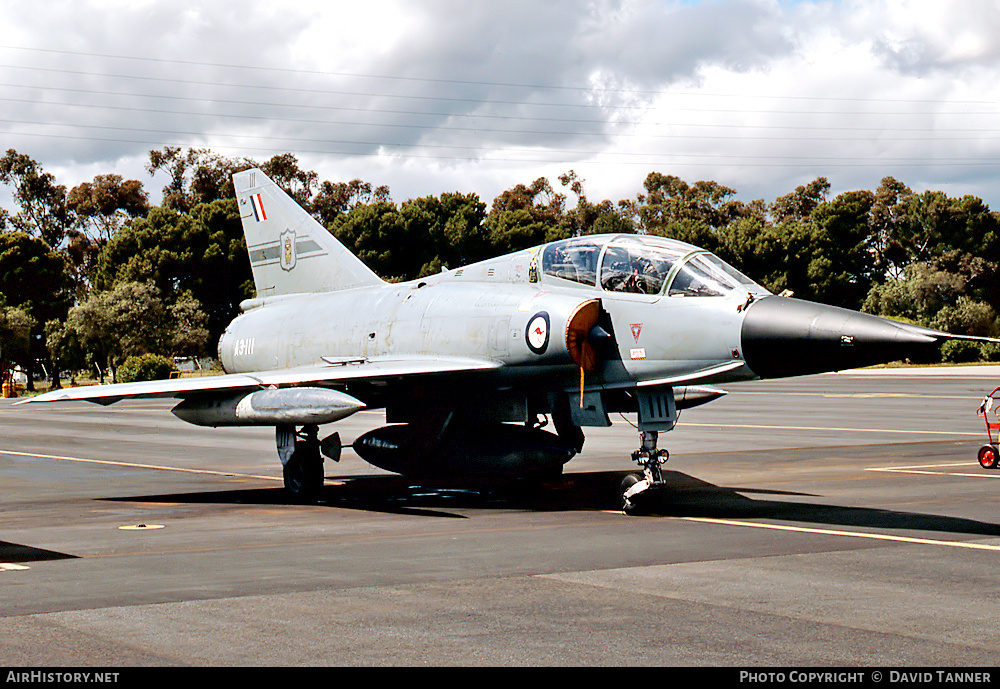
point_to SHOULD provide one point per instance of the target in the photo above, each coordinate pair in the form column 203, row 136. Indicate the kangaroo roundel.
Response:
column 537, row 333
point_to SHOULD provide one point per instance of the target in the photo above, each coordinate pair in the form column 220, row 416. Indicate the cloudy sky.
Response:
column 428, row 97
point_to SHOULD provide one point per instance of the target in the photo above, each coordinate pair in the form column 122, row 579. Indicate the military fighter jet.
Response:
column 471, row 363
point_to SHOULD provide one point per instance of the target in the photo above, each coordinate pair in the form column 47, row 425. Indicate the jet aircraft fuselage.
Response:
column 470, row 364
column 485, row 310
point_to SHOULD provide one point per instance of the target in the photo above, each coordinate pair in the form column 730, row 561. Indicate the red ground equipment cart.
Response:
column 989, row 455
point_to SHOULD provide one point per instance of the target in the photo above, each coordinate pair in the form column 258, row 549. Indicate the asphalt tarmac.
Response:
column 829, row 520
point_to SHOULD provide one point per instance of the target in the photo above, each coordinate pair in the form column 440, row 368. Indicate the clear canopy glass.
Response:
column 572, row 259
column 642, row 264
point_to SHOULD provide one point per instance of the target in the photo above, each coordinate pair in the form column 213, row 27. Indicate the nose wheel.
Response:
column 637, row 488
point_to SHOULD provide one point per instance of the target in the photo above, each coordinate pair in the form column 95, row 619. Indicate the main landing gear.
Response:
column 637, row 489
column 301, row 454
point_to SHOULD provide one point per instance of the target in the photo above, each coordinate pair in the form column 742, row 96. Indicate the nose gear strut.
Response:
column 634, row 488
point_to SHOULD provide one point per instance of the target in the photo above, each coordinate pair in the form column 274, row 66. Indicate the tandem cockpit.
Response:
column 642, row 264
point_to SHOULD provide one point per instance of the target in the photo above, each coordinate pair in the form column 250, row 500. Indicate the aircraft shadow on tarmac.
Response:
column 15, row 552
column 685, row 496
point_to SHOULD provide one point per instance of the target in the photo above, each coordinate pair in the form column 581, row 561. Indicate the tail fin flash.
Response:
column 291, row 253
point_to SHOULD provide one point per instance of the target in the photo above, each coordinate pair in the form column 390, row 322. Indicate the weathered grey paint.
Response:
column 456, row 316
column 504, row 319
column 288, row 406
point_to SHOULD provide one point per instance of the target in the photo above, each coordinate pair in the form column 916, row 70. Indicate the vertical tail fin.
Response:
column 291, row 253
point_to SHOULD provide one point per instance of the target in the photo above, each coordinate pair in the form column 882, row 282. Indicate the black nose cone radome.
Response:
column 790, row 337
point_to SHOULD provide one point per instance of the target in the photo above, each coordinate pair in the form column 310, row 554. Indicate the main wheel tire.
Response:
column 989, row 456
column 303, row 476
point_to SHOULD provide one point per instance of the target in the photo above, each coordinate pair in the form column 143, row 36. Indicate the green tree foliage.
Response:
column 446, row 231
column 937, row 224
column 967, row 316
column 189, row 332
column 43, row 211
column 917, row 295
column 888, row 214
column 377, row 235
column 99, row 209
column 146, row 367
column 202, row 253
column 670, row 202
column 941, row 256
column 594, row 218
column 35, row 279
column 33, row 276
column 844, row 265
column 423, row 235
column 525, row 216
column 906, row 228
column 925, row 257
column 128, row 320
column 334, row 199
column 750, row 244
column 201, row 176
column 419, row 238
column 795, row 255
column 801, row 243
column 196, row 176
column 284, row 171
column 16, row 326
column 64, row 348
column 800, row 204
column 104, row 206
column 705, row 214
column 798, row 263
column 784, row 246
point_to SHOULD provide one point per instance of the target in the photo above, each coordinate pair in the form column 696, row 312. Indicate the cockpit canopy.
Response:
column 643, row 264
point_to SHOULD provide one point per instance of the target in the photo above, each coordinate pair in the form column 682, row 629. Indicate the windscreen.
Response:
column 704, row 275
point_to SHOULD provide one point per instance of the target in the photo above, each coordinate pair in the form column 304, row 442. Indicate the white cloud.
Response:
column 759, row 95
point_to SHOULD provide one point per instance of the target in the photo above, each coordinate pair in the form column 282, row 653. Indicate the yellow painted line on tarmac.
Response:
column 858, row 395
column 133, row 465
column 831, row 428
column 935, row 470
column 845, row 534
column 927, row 466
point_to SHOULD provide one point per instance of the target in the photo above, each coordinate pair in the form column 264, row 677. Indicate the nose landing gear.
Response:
column 636, row 488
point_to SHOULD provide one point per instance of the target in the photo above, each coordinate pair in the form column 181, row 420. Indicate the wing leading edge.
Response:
column 330, row 372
